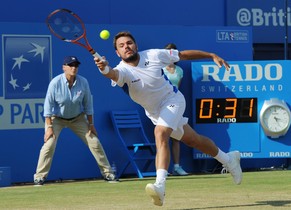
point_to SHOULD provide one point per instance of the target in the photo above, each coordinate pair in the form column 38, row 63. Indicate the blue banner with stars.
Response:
column 24, row 57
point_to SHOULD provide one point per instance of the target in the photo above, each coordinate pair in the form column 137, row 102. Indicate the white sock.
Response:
column 161, row 176
column 176, row 166
column 222, row 157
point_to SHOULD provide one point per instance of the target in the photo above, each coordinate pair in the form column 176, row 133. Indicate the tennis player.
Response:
column 142, row 75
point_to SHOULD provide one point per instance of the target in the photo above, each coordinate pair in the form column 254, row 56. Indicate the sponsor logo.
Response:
column 252, row 78
column 226, row 120
column 134, row 81
column 259, row 17
column 246, row 154
column 26, row 75
column 279, row 154
column 232, row 36
column 202, row 155
column 247, row 72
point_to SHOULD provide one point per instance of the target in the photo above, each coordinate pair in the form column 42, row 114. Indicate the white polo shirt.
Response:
column 147, row 84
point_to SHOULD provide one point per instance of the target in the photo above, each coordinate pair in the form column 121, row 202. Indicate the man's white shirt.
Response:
column 147, row 84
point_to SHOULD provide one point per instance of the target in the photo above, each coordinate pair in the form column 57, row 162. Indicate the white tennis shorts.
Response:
column 171, row 115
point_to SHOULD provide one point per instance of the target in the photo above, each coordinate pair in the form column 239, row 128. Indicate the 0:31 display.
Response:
column 226, row 110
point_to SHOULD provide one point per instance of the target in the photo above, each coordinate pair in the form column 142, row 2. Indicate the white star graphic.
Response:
column 18, row 61
column 13, row 82
column 27, row 86
column 38, row 50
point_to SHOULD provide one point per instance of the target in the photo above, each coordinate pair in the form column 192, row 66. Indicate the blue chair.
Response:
column 140, row 151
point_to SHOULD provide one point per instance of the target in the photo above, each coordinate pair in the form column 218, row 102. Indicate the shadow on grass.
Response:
column 197, row 177
column 171, row 177
column 278, row 203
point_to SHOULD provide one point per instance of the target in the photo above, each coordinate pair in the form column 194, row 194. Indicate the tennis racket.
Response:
column 68, row 26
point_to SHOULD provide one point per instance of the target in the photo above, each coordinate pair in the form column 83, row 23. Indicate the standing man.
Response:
column 68, row 104
column 175, row 74
column 164, row 104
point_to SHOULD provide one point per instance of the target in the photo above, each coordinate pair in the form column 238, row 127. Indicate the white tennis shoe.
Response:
column 156, row 192
column 179, row 171
column 233, row 166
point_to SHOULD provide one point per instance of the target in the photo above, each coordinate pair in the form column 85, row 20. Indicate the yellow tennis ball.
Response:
column 104, row 34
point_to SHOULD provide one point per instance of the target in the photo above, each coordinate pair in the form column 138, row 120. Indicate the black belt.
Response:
column 69, row 119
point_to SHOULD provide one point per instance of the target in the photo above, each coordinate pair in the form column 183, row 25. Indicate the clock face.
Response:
column 276, row 118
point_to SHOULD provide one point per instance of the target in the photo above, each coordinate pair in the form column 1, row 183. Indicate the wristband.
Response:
column 105, row 71
column 91, row 124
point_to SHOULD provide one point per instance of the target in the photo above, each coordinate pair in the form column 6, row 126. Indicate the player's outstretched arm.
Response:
column 102, row 64
column 197, row 54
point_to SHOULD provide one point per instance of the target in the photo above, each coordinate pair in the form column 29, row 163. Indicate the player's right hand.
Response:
column 105, row 69
column 101, row 63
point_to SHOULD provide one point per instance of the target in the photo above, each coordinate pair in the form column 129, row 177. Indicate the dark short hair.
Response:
column 171, row 46
column 122, row 34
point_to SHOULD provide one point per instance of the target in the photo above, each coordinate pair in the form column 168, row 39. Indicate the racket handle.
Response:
column 106, row 70
column 96, row 54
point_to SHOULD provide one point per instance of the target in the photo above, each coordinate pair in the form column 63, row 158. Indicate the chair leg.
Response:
column 121, row 171
column 139, row 173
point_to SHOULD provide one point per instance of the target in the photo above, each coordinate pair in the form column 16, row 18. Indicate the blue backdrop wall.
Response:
column 21, row 139
column 150, row 12
column 154, row 24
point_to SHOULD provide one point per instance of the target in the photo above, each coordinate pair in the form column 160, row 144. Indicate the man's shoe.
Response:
column 38, row 182
column 156, row 192
column 233, row 166
column 179, row 172
column 110, row 178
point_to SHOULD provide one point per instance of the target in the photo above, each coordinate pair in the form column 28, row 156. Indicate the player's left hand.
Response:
column 220, row 62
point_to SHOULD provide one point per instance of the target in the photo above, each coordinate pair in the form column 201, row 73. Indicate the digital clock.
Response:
column 244, row 108
column 226, row 110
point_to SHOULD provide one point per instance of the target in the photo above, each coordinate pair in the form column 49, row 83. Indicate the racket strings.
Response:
column 69, row 27
column 66, row 26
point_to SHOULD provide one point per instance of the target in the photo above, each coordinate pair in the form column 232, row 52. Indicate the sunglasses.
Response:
column 73, row 65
